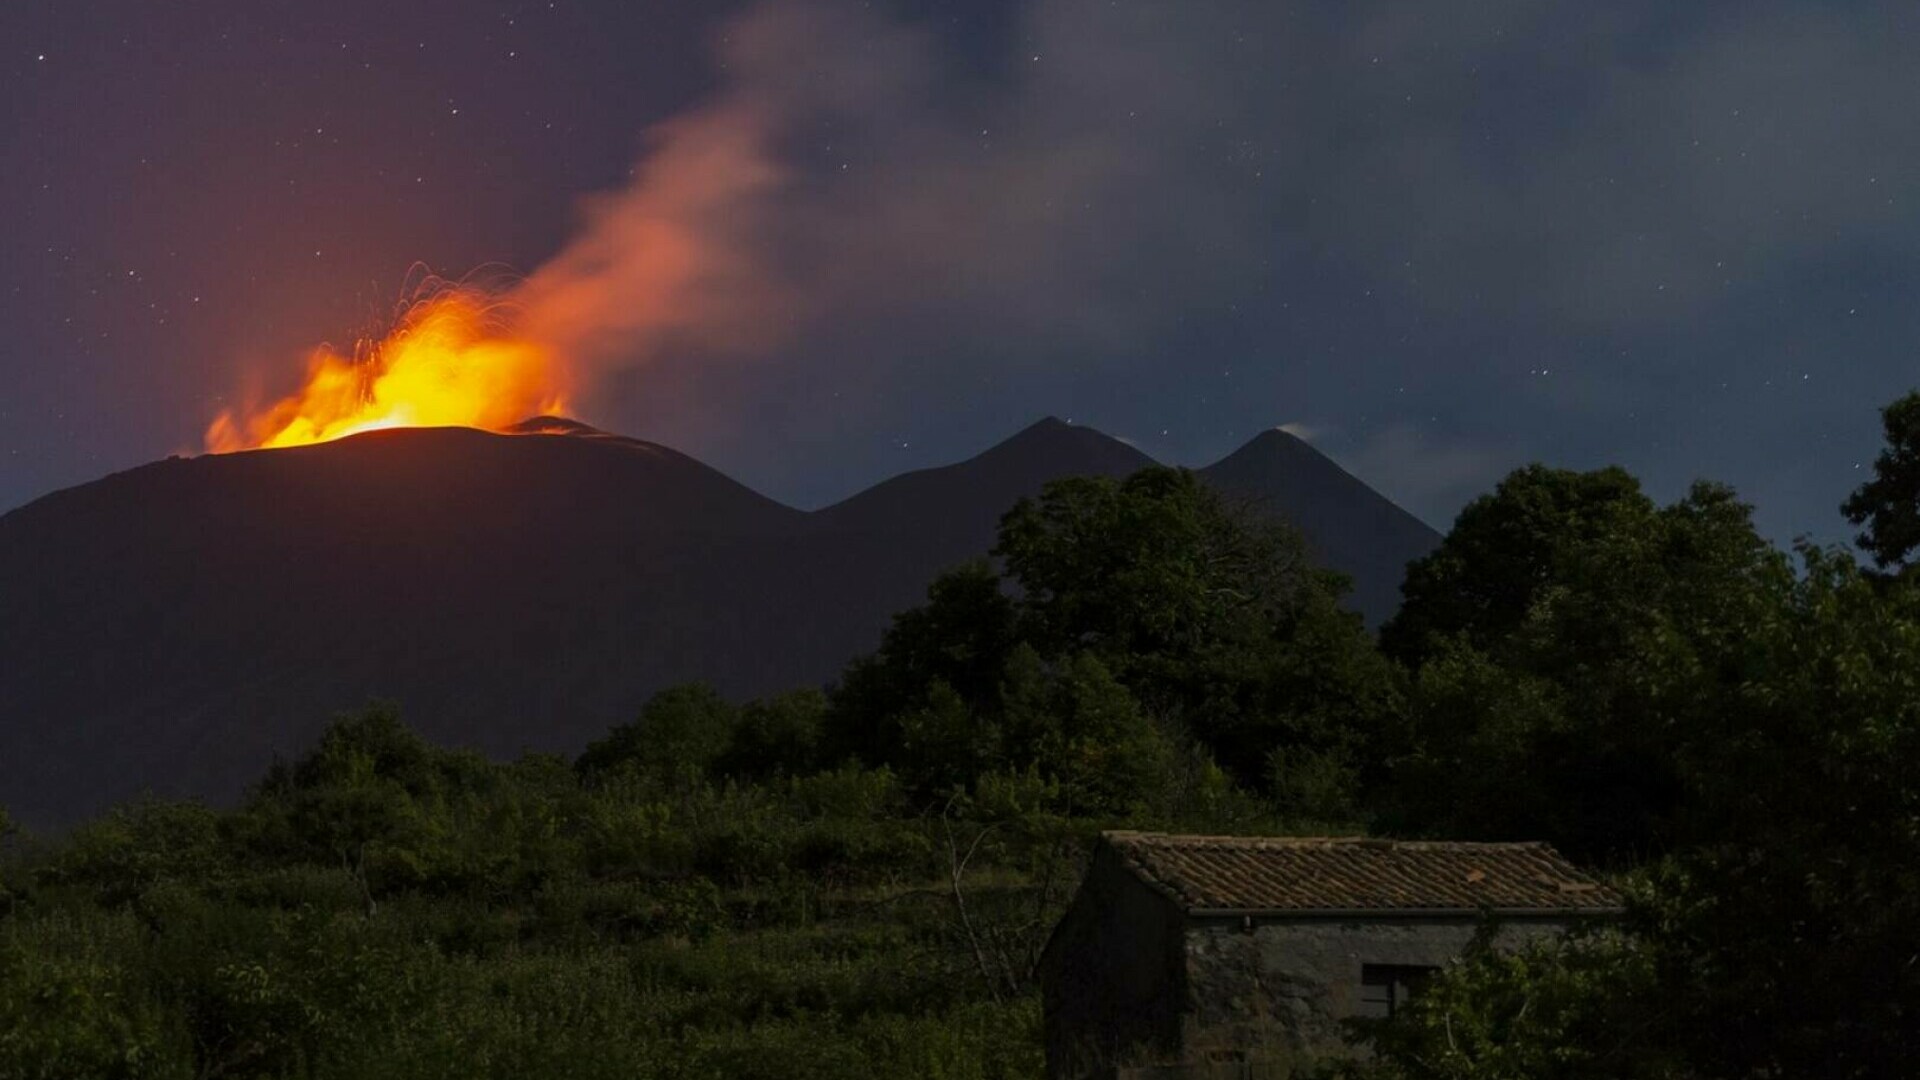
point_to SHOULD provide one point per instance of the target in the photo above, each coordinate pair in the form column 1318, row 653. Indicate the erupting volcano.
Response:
column 452, row 359
column 671, row 265
column 173, row 627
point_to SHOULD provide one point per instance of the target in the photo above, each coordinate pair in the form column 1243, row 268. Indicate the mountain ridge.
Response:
column 174, row 626
column 1347, row 524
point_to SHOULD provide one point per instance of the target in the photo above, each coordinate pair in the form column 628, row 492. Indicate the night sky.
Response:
column 1438, row 240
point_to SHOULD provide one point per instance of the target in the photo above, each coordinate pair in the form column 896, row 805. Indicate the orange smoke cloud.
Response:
column 1036, row 217
column 659, row 264
column 669, row 258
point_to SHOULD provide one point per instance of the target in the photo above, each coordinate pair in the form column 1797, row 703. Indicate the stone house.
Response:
column 1240, row 957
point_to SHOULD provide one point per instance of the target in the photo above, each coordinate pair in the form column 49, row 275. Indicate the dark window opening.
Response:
column 1386, row 988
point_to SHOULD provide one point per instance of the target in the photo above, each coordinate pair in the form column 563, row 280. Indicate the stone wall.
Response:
column 1112, row 975
column 1276, row 991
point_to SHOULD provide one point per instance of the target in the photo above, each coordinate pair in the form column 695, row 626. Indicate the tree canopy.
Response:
column 1775, row 936
column 682, row 728
column 1505, row 551
column 1562, row 638
column 1184, row 617
column 1889, row 504
column 1784, row 921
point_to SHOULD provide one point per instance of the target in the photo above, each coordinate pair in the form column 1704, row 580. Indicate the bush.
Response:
column 71, row 1008
column 1581, row 1009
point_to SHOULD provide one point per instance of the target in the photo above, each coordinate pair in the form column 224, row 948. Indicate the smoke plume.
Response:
column 845, row 174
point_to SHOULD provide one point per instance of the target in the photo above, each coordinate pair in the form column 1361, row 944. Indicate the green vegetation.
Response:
column 1889, row 504
column 1776, row 934
column 844, row 884
column 858, row 881
column 1658, row 688
column 1560, row 643
column 1158, row 639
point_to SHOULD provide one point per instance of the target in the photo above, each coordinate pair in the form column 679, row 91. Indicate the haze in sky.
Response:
column 1437, row 241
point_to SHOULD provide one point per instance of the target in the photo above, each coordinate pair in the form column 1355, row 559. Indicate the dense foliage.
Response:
column 1778, row 934
column 1889, row 504
column 1148, row 619
column 1773, row 808
column 1561, row 642
column 857, row 880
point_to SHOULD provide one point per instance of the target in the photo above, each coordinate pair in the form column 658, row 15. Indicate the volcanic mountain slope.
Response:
column 173, row 627
column 177, row 624
column 1347, row 524
column 890, row 540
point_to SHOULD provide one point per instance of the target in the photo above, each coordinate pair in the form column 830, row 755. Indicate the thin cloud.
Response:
column 844, row 173
column 1430, row 476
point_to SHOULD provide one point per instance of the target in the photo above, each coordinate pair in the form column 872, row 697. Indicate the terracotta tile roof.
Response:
column 1243, row 874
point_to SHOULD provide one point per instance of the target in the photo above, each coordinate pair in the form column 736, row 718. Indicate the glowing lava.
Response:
column 451, row 361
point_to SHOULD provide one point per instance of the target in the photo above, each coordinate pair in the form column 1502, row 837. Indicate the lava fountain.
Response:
column 451, row 359
column 670, row 265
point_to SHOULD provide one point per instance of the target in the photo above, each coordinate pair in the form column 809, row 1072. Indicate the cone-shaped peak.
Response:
column 1058, row 448
column 1271, row 445
column 1048, row 429
column 979, row 489
column 1355, row 529
column 554, row 425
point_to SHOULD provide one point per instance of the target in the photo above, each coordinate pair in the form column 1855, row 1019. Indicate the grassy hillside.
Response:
column 383, row 908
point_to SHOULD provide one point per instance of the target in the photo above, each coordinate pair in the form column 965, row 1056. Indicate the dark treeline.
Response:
column 857, row 881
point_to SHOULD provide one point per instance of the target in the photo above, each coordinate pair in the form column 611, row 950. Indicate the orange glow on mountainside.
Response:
column 451, row 361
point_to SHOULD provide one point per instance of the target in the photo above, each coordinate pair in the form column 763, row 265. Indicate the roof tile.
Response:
column 1247, row 873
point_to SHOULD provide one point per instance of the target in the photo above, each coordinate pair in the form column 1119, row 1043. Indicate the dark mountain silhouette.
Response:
column 920, row 523
column 1346, row 523
column 173, row 627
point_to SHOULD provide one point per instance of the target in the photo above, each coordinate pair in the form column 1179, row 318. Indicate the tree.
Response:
column 1080, row 729
column 1216, row 622
column 361, row 793
column 680, row 733
column 1889, row 504
column 7, row 829
column 1152, row 568
column 960, row 639
column 944, row 743
column 374, row 741
column 1785, row 924
column 1504, row 551
column 1778, row 937
column 1552, row 705
column 777, row 736
column 130, row 849
column 1212, row 623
